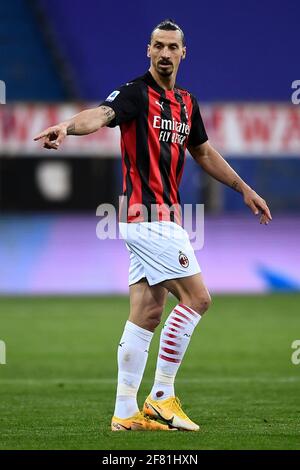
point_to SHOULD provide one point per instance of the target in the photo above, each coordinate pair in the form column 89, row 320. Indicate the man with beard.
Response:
column 158, row 121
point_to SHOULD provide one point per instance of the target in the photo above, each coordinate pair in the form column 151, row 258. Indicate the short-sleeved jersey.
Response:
column 156, row 127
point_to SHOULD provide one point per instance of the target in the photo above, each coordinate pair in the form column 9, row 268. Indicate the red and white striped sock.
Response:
column 174, row 340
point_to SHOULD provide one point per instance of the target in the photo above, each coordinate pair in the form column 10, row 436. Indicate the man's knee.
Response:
column 199, row 302
column 204, row 303
column 149, row 317
column 153, row 316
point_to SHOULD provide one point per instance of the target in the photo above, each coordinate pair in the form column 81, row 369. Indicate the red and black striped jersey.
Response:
column 156, row 127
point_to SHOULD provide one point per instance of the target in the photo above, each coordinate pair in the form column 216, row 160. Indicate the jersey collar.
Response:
column 153, row 84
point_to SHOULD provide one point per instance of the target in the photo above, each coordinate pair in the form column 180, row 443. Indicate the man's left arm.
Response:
column 215, row 165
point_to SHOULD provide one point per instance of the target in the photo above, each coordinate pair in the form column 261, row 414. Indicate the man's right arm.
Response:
column 86, row 122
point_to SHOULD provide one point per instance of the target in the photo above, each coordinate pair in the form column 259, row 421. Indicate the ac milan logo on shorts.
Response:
column 183, row 260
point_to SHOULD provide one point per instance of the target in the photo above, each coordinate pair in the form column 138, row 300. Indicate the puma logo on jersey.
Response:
column 161, row 105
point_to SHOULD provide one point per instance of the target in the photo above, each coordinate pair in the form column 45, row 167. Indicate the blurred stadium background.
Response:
column 58, row 57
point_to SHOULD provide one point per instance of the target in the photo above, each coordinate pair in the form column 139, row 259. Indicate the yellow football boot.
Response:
column 138, row 422
column 170, row 411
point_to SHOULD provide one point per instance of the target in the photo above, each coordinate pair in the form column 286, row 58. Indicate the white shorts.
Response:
column 158, row 251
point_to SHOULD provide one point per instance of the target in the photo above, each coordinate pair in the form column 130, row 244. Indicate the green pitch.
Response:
column 237, row 380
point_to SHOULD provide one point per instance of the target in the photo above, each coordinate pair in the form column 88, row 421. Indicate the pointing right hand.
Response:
column 53, row 136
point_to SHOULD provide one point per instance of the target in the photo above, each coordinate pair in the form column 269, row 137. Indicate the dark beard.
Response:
column 164, row 73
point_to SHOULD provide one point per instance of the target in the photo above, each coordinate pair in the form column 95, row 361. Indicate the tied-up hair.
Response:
column 169, row 25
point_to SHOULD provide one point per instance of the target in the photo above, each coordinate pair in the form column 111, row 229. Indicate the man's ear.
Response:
column 184, row 53
column 148, row 50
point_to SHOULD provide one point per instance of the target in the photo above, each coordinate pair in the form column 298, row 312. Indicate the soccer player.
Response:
column 158, row 121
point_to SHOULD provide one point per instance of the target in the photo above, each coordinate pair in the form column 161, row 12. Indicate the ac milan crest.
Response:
column 183, row 260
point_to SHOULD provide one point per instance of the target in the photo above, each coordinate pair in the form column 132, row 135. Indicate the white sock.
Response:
column 174, row 340
column 132, row 358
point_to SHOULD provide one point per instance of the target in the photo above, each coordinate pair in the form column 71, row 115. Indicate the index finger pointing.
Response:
column 264, row 208
column 39, row 136
column 267, row 212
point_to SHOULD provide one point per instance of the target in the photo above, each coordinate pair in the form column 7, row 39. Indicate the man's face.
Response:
column 166, row 51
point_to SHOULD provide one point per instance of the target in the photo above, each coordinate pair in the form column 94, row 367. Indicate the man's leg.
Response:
column 194, row 300
column 146, row 307
column 147, row 304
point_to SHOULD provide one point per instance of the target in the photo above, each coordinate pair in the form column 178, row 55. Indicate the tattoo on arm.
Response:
column 71, row 129
column 108, row 113
column 235, row 186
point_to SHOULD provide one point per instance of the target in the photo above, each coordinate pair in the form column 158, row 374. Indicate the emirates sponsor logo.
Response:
column 171, row 125
column 171, row 130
